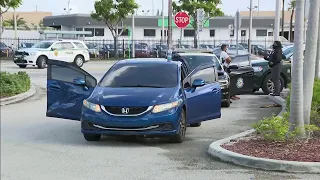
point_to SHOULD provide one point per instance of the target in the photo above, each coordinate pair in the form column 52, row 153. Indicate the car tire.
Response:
column 195, row 125
column 92, row 137
column 41, row 62
column 22, row 66
column 179, row 138
column 78, row 61
column 267, row 84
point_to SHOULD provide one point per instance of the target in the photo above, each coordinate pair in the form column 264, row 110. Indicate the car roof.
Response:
column 63, row 40
column 147, row 60
column 196, row 54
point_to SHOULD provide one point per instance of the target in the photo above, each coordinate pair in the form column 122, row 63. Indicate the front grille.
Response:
column 125, row 110
column 19, row 53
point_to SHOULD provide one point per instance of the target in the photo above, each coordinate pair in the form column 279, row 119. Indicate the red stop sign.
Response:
column 181, row 19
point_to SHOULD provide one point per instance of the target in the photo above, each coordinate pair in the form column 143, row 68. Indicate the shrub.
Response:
column 13, row 83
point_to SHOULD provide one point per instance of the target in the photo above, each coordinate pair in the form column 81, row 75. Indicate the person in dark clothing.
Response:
column 275, row 63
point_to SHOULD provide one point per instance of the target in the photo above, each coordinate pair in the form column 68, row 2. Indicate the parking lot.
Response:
column 37, row 147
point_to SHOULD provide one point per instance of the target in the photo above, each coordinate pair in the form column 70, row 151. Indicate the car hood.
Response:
column 131, row 96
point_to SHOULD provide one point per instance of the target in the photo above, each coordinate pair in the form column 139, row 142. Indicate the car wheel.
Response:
column 195, row 125
column 92, row 137
column 179, row 138
column 268, row 86
column 22, row 66
column 41, row 62
column 78, row 61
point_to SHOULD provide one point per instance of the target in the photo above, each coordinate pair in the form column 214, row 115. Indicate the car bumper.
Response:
column 161, row 124
column 225, row 96
column 24, row 60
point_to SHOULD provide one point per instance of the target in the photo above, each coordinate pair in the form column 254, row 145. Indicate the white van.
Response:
column 72, row 51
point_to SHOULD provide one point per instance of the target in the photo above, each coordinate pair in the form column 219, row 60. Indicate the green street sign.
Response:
column 206, row 24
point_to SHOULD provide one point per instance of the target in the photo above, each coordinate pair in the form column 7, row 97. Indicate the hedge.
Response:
column 13, row 83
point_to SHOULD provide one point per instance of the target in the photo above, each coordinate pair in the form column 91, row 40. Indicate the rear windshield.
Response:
column 141, row 75
column 196, row 61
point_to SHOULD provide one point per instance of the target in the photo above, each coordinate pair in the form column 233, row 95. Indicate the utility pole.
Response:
column 163, row 33
column 15, row 23
column 250, row 27
column 282, row 22
column 132, row 37
column 170, row 24
column 277, row 21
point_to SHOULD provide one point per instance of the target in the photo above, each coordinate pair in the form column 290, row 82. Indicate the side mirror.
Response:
column 198, row 83
column 220, row 73
column 52, row 49
column 79, row 81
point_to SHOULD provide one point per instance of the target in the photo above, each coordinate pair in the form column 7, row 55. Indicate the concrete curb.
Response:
column 19, row 97
column 217, row 151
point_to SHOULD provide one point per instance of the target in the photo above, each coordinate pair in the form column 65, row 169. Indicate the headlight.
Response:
column 257, row 69
column 32, row 53
column 92, row 106
column 165, row 107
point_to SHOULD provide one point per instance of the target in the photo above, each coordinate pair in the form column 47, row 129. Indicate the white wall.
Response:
column 23, row 34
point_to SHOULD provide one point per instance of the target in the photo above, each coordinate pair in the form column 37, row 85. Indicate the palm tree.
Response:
column 310, row 58
column 292, row 7
column 20, row 22
column 296, row 100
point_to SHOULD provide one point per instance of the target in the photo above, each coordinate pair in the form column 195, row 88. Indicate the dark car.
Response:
column 107, row 50
column 259, row 50
column 184, row 46
column 262, row 72
column 231, row 84
column 158, row 50
column 141, row 51
column 135, row 97
column 245, row 45
column 5, row 51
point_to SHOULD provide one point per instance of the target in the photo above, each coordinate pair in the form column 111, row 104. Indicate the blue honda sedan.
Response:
column 135, row 97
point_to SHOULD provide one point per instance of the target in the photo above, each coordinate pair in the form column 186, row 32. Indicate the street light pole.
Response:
column 132, row 37
column 163, row 34
column 277, row 21
column 250, row 27
column 170, row 24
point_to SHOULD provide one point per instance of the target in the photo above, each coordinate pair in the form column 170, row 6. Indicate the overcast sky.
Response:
column 229, row 7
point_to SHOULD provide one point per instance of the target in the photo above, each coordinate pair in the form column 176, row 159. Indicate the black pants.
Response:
column 275, row 75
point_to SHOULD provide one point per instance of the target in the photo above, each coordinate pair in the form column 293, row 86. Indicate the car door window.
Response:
column 80, row 45
column 65, row 74
column 207, row 74
column 67, row 45
column 57, row 46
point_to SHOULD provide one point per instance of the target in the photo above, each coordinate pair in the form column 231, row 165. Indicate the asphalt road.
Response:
column 36, row 147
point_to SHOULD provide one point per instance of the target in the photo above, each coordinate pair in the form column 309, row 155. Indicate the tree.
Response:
column 20, row 22
column 292, row 7
column 209, row 6
column 310, row 58
column 296, row 97
column 5, row 5
column 113, row 12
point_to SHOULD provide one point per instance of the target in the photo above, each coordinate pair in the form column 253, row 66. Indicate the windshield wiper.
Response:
column 150, row 86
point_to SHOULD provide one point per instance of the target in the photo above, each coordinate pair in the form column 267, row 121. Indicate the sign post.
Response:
column 181, row 20
column 237, row 25
column 200, row 18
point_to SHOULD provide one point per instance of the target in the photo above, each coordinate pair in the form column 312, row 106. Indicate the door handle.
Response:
column 215, row 90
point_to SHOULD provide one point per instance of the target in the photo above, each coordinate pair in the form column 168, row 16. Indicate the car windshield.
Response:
column 2, row 45
column 288, row 51
column 43, row 45
column 90, row 46
column 198, row 60
column 154, row 75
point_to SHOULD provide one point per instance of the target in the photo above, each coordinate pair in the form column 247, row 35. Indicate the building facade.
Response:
column 150, row 27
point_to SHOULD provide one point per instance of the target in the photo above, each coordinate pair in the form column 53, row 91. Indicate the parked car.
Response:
column 107, row 50
column 125, row 102
column 158, row 50
column 5, row 51
column 258, row 50
column 93, row 51
column 26, row 45
column 262, row 72
column 233, row 46
column 63, row 50
column 141, row 51
column 245, row 45
column 185, row 46
column 206, row 46
column 231, row 51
